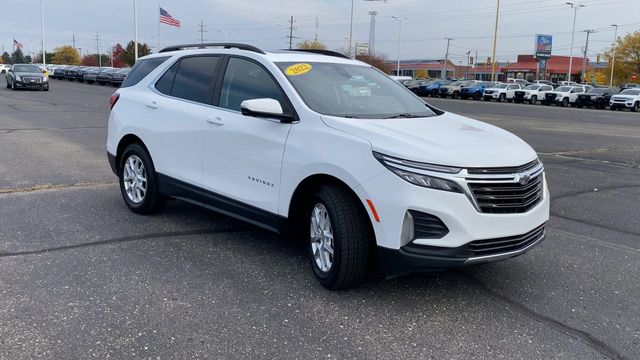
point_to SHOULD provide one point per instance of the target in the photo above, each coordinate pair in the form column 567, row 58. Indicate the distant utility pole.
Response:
column 613, row 60
column 586, row 53
column 372, row 32
column 446, row 59
column 317, row 26
column 74, row 40
column 202, row 29
column 98, row 50
column 468, row 63
column 291, row 27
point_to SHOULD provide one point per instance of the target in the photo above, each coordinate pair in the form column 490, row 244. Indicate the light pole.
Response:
column 399, row 20
column 44, row 56
column 468, row 64
column 351, row 26
column 575, row 8
column 495, row 42
column 613, row 60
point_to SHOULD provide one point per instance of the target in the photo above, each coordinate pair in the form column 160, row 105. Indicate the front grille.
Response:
column 506, row 244
column 509, row 197
column 488, row 92
column 31, row 79
column 426, row 226
column 550, row 96
column 619, row 99
column 504, row 170
column 519, row 94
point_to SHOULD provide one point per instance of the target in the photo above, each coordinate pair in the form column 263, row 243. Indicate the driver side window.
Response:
column 246, row 80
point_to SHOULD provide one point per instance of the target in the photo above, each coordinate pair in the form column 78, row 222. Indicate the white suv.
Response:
column 532, row 93
column 501, row 92
column 565, row 95
column 330, row 150
column 627, row 99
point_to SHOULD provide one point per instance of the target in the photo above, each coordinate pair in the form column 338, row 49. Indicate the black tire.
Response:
column 635, row 107
column 152, row 200
column 565, row 102
column 477, row 96
column 487, row 99
column 456, row 94
column 613, row 108
column 502, row 97
column 90, row 81
column 579, row 106
column 351, row 237
column 533, row 100
column 101, row 83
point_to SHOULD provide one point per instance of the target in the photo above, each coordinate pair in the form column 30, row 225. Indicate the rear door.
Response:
column 242, row 155
column 179, row 112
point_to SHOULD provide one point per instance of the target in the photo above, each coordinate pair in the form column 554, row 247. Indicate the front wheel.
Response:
column 534, row 100
column 339, row 235
column 502, row 98
column 138, row 181
column 635, row 107
column 565, row 102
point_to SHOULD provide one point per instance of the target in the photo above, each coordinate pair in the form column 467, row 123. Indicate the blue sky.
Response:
column 263, row 23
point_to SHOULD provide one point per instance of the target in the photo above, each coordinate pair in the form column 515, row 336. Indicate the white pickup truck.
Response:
column 501, row 92
column 532, row 93
column 565, row 95
column 627, row 99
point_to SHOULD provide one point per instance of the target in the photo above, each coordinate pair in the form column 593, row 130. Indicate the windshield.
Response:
column 501, row 86
column 353, row 91
column 27, row 68
column 532, row 87
column 564, row 89
column 597, row 91
column 631, row 92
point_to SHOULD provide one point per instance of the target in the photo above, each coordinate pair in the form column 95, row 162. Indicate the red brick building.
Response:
column 557, row 68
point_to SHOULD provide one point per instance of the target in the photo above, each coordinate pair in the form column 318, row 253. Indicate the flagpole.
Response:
column 135, row 28
column 158, row 29
column 44, row 56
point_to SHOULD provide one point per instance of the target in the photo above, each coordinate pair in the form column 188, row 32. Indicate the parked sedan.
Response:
column 118, row 77
column 26, row 76
column 104, row 76
column 90, row 75
column 596, row 98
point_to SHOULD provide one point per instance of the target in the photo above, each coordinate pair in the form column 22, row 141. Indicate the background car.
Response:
column 4, row 68
column 59, row 72
column 432, row 88
column 91, row 74
column 532, row 93
column 26, row 76
column 501, row 92
column 416, row 87
column 453, row 89
column 118, row 77
column 565, row 95
column 598, row 98
column 104, row 76
column 475, row 90
column 627, row 99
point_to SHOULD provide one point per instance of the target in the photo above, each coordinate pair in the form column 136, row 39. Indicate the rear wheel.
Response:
column 338, row 241
column 565, row 102
column 635, row 107
column 456, row 94
column 477, row 96
column 533, row 100
column 502, row 97
column 138, row 181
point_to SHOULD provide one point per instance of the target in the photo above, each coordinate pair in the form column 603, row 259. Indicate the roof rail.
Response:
column 322, row 52
column 207, row 45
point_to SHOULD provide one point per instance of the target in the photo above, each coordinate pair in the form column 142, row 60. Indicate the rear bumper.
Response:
column 416, row 258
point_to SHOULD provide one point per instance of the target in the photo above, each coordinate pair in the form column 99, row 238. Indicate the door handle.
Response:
column 215, row 121
column 152, row 104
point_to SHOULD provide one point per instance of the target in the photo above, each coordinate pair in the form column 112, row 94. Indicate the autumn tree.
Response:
column 6, row 58
column 627, row 50
column 311, row 45
column 128, row 56
column 17, row 57
column 376, row 60
column 118, row 53
column 66, row 55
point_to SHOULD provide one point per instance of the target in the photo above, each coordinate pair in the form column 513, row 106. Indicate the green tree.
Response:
column 6, row 58
column 311, row 45
column 17, row 57
column 66, row 55
column 38, row 58
column 128, row 56
column 27, row 59
column 627, row 58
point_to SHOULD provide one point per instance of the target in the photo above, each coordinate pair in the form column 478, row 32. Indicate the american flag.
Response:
column 17, row 44
column 165, row 18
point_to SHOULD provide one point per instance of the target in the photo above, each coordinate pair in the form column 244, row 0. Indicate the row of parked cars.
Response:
column 541, row 91
column 89, row 74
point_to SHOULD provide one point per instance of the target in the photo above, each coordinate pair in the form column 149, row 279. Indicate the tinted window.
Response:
column 165, row 84
column 245, row 80
column 141, row 69
column 194, row 78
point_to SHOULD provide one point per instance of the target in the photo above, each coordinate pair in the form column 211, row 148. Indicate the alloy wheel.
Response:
column 321, row 236
column 134, row 178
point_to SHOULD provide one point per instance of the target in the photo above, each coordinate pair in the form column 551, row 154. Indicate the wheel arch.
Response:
column 126, row 141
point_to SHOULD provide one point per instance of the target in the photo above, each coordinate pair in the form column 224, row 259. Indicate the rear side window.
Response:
column 141, row 69
column 165, row 84
column 193, row 78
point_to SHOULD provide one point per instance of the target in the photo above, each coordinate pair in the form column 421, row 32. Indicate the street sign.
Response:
column 543, row 46
column 362, row 48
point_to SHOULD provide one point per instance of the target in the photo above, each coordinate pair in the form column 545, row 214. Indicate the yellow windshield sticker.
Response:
column 298, row 69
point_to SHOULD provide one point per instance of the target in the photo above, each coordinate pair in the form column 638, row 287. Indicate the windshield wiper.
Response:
column 403, row 116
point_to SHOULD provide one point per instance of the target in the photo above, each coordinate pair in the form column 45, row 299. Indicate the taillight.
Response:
column 113, row 99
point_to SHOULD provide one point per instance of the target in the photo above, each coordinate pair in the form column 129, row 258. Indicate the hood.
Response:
column 447, row 139
column 30, row 74
column 625, row 96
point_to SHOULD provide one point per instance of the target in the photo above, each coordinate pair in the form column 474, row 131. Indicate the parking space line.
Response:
column 44, row 187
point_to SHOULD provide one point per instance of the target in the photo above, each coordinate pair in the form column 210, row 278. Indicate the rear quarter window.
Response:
column 141, row 69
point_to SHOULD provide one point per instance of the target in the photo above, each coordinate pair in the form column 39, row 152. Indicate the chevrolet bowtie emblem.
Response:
column 522, row 179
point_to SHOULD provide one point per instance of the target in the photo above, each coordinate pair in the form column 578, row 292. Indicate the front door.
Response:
column 242, row 155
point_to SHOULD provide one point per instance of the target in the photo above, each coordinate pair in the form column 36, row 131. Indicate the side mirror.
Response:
column 269, row 108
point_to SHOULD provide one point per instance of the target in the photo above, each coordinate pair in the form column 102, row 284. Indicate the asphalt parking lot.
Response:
column 82, row 277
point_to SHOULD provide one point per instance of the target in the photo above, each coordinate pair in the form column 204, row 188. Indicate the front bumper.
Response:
column 413, row 258
column 31, row 85
column 621, row 104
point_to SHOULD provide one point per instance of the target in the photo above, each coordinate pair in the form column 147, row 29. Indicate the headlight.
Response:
column 415, row 173
column 18, row 78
